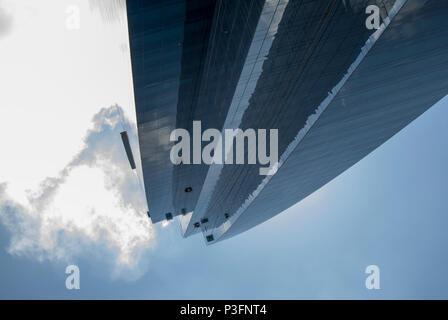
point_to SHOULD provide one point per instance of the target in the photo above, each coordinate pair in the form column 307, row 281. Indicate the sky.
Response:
column 68, row 196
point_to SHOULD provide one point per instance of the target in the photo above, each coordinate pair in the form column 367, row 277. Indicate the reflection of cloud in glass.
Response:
column 111, row 10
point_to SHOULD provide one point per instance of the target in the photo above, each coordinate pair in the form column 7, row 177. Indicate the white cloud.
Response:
column 95, row 200
column 6, row 21
column 60, row 197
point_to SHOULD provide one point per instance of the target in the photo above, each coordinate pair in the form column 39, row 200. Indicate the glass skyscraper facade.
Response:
column 334, row 89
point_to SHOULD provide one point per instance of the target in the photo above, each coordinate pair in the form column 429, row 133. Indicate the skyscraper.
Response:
column 335, row 86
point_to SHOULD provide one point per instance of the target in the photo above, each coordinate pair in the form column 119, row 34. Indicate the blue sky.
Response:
column 389, row 209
